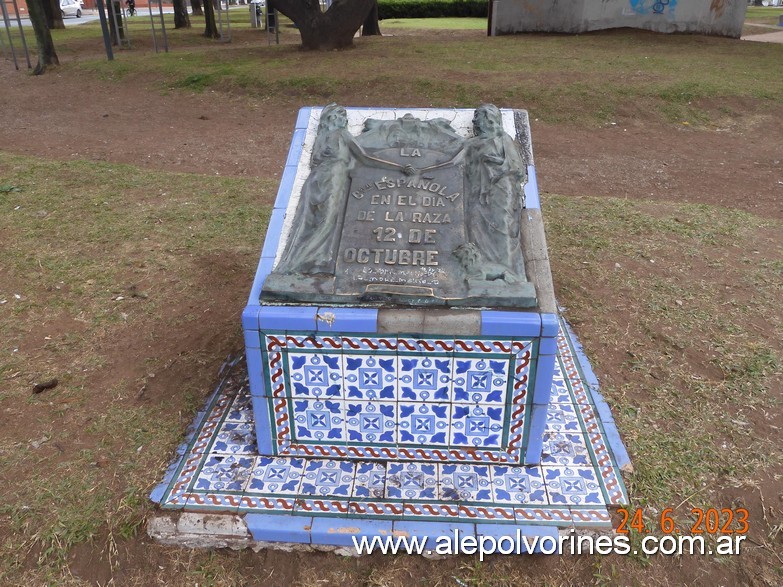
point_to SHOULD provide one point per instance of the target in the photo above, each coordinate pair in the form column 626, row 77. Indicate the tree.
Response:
column 181, row 18
column 54, row 16
column 210, row 28
column 43, row 37
column 333, row 29
column 196, row 9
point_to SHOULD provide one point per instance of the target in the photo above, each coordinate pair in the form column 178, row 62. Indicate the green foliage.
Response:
column 431, row 8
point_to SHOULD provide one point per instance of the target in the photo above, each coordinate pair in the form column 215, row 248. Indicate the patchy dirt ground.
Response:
column 67, row 115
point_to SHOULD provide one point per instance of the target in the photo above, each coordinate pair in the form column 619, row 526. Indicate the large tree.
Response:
column 181, row 18
column 195, row 6
column 210, row 24
column 43, row 37
column 54, row 16
column 333, row 29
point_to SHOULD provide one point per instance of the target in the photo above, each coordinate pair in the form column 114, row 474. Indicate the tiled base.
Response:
column 579, row 476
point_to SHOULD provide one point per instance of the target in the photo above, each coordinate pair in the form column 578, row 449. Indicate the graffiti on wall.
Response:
column 653, row 6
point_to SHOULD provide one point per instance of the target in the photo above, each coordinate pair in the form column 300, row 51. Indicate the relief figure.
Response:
column 312, row 245
column 494, row 174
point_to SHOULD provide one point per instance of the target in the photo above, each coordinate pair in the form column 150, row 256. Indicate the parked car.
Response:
column 71, row 8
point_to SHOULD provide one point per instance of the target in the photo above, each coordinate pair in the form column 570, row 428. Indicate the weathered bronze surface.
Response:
column 408, row 212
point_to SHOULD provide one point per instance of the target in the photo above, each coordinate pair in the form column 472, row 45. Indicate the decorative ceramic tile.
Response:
column 424, row 378
column 277, row 476
column 318, row 420
column 481, row 380
column 435, row 346
column 464, row 483
column 423, row 424
column 369, row 481
column 369, row 343
column 562, row 418
column 518, row 485
column 327, row 478
column 362, row 474
column 369, row 422
column 236, row 437
column 224, row 473
column 369, row 377
column 315, row 375
column 560, row 392
column 478, row 426
column 565, row 449
column 411, row 481
column 573, row 485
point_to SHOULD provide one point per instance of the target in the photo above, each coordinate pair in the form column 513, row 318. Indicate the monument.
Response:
column 407, row 372
column 403, row 307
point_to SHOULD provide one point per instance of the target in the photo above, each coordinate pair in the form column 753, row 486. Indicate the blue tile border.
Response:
column 297, row 144
column 287, row 318
column 279, row 528
column 303, row 117
column 500, row 323
column 285, row 189
column 616, row 445
column 550, row 325
column 273, row 233
column 532, row 199
column 341, row 531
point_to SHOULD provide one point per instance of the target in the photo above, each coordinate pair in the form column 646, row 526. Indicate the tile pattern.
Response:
column 397, row 398
column 577, row 479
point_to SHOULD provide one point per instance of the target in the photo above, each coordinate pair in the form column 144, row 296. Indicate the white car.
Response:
column 71, row 8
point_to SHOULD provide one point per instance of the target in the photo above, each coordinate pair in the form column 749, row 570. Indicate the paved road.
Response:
column 87, row 16
column 765, row 37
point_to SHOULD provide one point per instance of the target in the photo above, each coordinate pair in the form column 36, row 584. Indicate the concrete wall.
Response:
column 712, row 17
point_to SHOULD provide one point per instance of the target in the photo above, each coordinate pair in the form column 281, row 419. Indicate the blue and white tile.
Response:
column 224, row 473
column 327, row 478
column 236, row 437
column 423, row 424
column 424, row 379
column 560, row 392
column 315, row 375
column 369, row 481
column 480, row 380
column 371, row 422
column 368, row 377
column 565, row 449
column 276, row 476
column 411, row 481
column 562, row 418
column 241, row 409
column 572, row 486
column 477, row 426
column 518, row 485
column 316, row 420
column 461, row 482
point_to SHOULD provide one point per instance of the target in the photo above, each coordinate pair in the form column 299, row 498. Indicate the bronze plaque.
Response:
column 401, row 230
column 407, row 212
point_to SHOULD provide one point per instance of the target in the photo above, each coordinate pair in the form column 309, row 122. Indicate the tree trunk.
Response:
column 333, row 29
column 43, row 37
column 196, row 8
column 181, row 18
column 54, row 16
column 371, row 26
column 210, row 30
